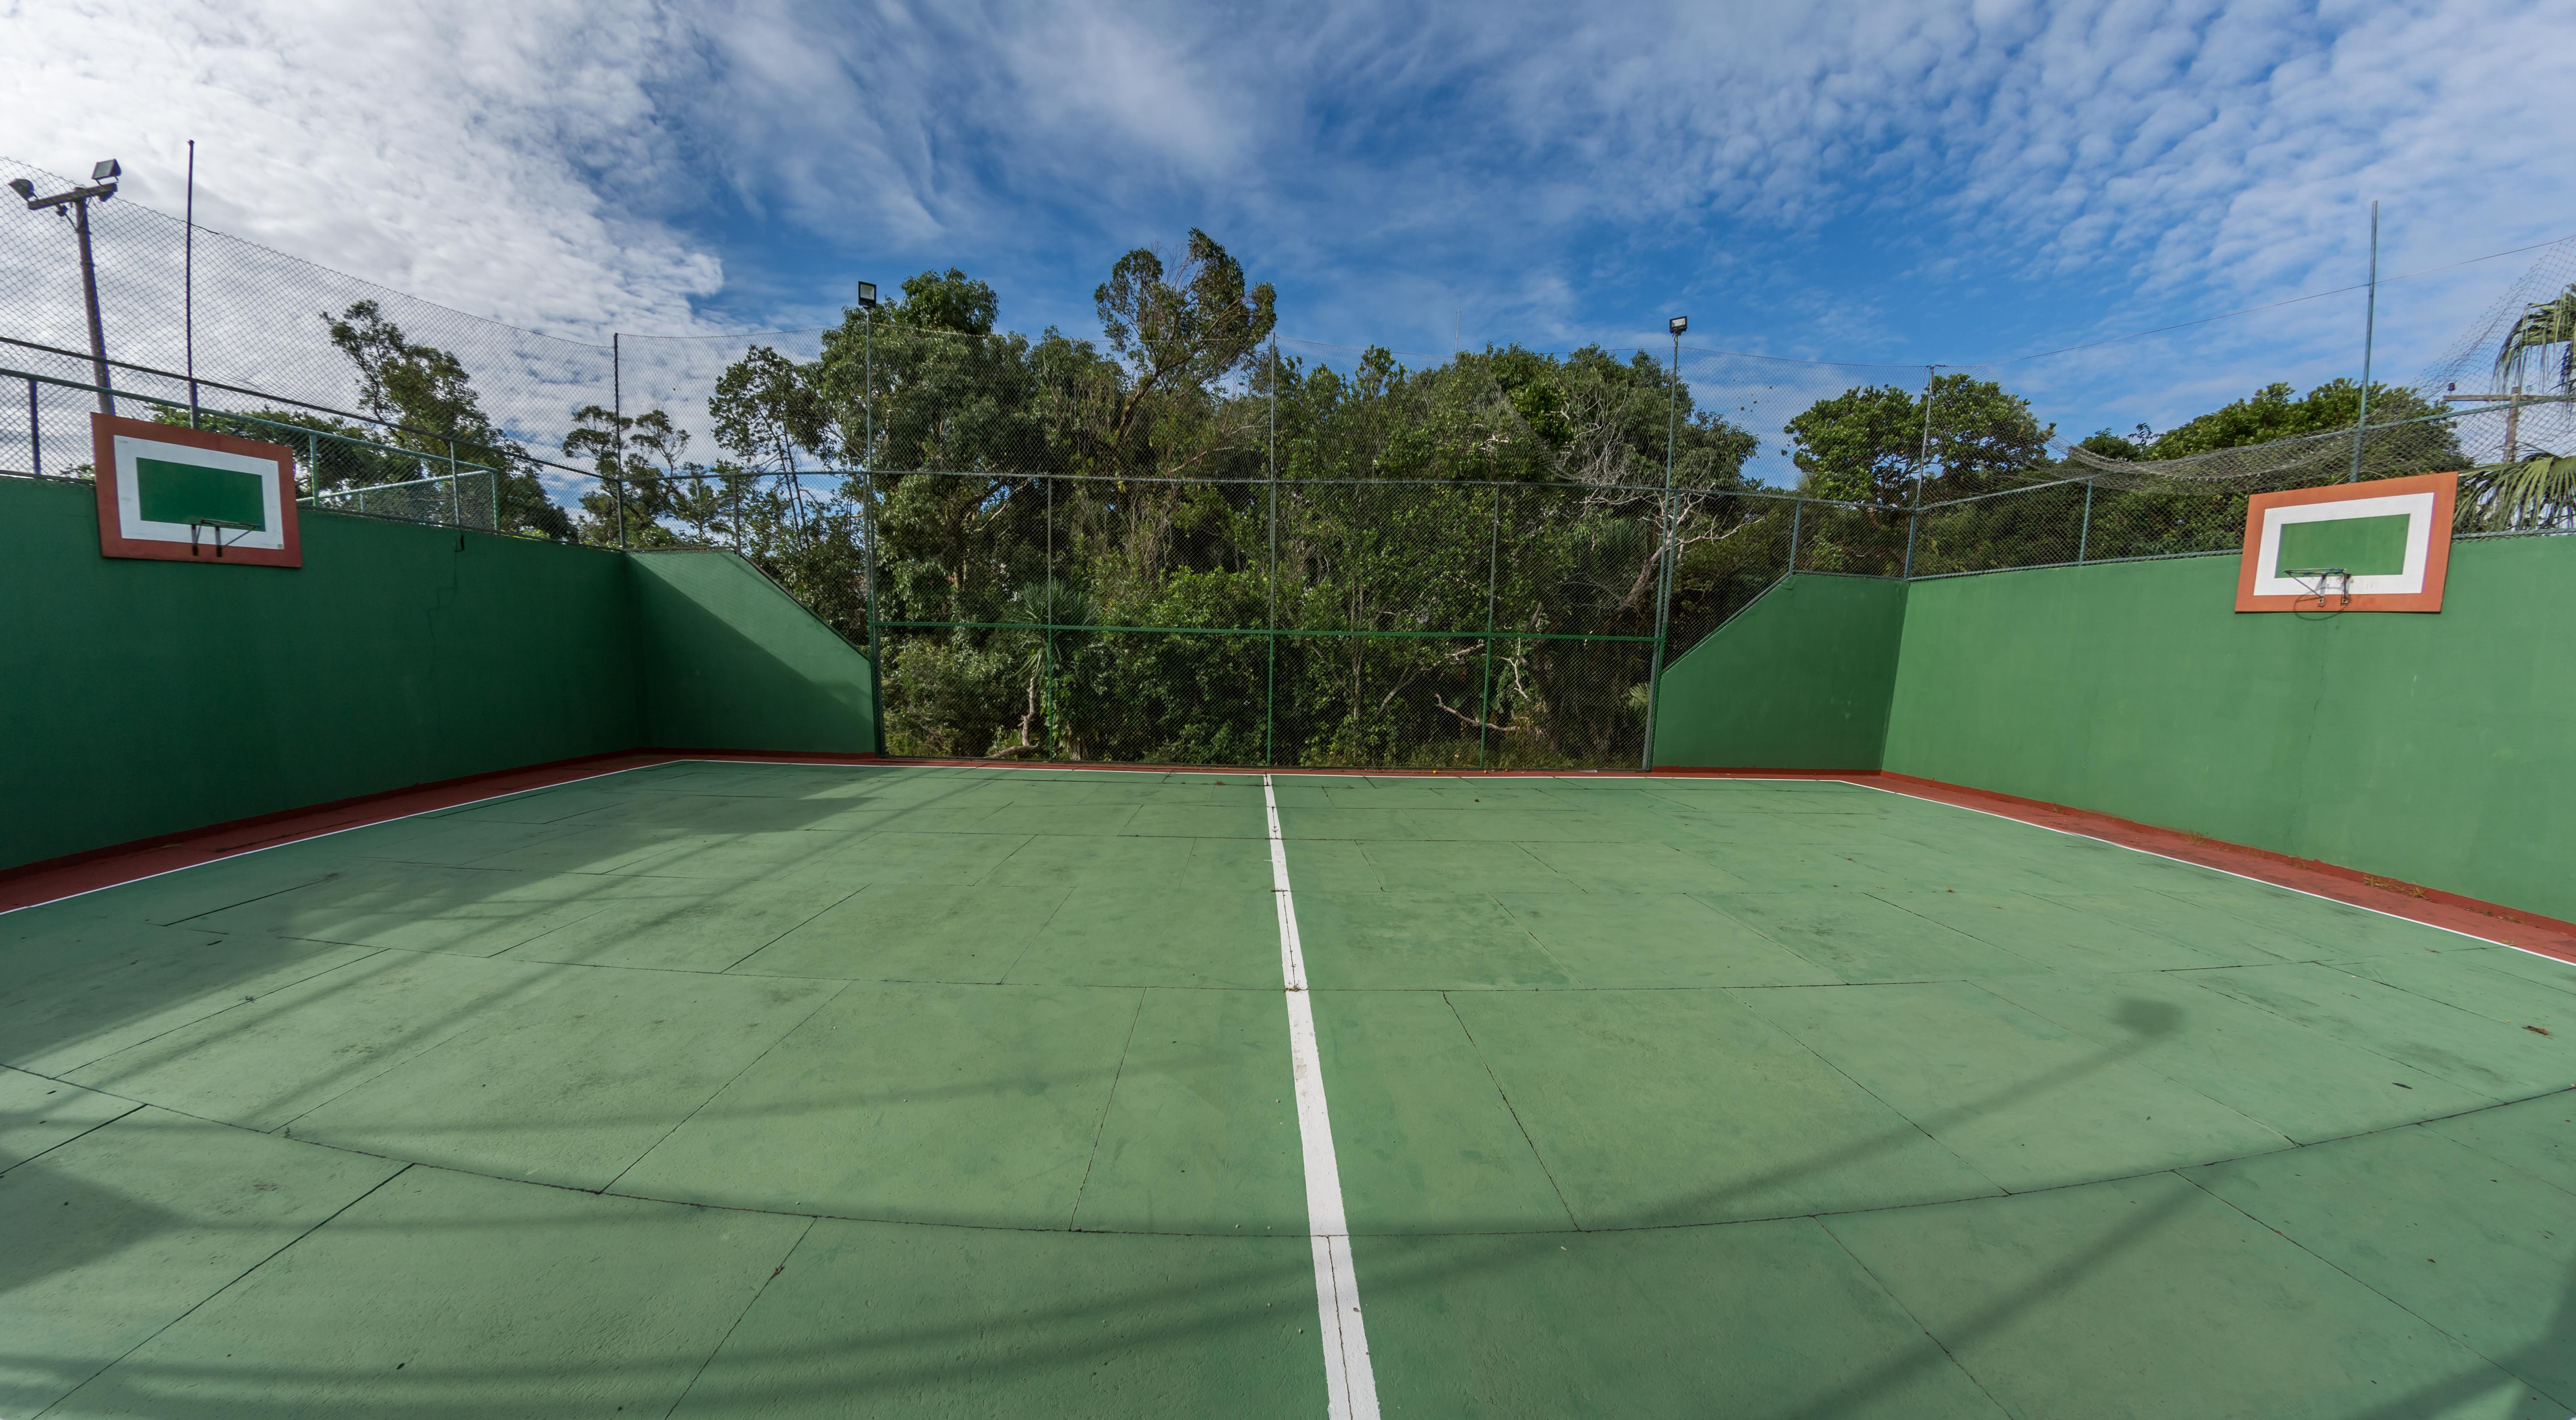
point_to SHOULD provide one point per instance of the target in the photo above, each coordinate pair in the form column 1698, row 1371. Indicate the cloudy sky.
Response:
column 1850, row 180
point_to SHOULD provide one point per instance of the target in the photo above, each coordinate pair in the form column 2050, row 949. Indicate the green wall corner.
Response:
column 2427, row 748
column 1801, row 679
column 731, row 661
column 148, row 697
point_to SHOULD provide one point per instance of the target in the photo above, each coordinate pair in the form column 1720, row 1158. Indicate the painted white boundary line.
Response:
column 1350, row 1383
column 2204, row 867
column 352, row 828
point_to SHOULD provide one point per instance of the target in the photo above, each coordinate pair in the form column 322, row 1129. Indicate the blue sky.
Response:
column 1950, row 180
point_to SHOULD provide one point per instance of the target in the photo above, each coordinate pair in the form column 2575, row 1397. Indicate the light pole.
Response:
column 102, row 186
column 867, row 303
column 1664, row 574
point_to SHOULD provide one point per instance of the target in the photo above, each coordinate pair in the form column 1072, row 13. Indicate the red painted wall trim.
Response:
column 51, row 878
column 2529, row 930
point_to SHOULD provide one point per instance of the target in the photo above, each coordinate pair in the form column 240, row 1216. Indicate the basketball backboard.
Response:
column 2383, row 545
column 179, row 494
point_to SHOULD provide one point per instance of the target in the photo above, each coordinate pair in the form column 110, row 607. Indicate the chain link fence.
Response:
column 1297, row 553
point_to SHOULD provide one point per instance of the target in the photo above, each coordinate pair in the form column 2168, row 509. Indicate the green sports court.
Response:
column 463, row 976
column 716, row 1088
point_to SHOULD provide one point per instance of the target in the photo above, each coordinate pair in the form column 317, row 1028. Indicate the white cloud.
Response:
column 2122, row 164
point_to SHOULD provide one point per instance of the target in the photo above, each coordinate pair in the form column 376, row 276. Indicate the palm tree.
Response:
column 2540, row 326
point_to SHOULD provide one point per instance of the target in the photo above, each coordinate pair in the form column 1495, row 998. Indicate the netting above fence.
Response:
column 1180, row 546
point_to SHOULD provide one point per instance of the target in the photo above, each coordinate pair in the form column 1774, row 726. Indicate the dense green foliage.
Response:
column 1176, row 543
column 428, row 403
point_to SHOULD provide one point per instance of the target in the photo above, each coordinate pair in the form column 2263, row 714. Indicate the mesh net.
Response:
column 467, row 499
column 1304, row 554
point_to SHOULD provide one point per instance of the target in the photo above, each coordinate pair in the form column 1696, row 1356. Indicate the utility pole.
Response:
column 2512, row 416
column 2369, row 334
column 102, row 187
column 1922, row 460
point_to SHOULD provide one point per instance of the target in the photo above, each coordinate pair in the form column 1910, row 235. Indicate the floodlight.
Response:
column 23, row 188
column 1677, row 324
column 106, row 171
column 868, row 295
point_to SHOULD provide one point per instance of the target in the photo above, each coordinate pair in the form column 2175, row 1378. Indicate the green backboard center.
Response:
column 193, row 493
column 2361, row 547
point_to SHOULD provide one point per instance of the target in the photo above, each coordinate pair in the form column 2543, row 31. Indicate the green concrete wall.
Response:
column 730, row 661
column 1798, row 680
column 142, row 698
column 2429, row 748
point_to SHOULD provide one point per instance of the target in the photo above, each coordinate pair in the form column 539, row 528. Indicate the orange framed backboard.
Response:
column 192, row 495
column 2384, row 545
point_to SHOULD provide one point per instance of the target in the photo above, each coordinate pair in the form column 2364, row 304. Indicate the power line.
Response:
column 2250, row 310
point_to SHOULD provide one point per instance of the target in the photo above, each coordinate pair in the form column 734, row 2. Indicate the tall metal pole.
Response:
column 617, row 424
column 1048, row 668
column 89, row 293
column 1664, row 577
column 1922, row 460
column 867, row 471
column 2084, row 538
column 2369, row 335
column 1493, row 585
column 188, row 285
column 35, row 435
column 1270, row 625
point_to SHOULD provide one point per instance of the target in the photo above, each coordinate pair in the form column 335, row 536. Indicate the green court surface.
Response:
column 716, row 1089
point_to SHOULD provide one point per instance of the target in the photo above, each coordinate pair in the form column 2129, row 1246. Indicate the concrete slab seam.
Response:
column 1350, row 1382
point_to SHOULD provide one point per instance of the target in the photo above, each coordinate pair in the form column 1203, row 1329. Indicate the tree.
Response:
column 348, row 455
column 425, row 393
column 643, row 452
column 1178, row 332
column 2271, row 413
column 2539, row 327
column 1868, row 445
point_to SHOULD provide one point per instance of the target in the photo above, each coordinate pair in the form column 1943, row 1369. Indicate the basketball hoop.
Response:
column 2321, row 582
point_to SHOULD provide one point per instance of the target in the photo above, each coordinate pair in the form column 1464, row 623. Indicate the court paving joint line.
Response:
column 1349, row 1382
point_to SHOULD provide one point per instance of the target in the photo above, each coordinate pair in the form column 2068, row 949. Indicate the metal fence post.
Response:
column 313, row 475
column 1913, row 520
column 1047, row 659
column 2084, row 538
column 1797, row 511
column 451, row 475
column 35, row 432
column 617, row 428
column 1270, row 621
column 1493, row 586
column 869, row 525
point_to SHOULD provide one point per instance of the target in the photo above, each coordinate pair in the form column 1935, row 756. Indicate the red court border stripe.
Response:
column 53, row 878
column 34, row 883
column 2546, row 936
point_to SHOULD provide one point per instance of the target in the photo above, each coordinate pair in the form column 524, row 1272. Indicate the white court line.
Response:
column 1350, row 1384
column 2204, row 867
column 352, row 828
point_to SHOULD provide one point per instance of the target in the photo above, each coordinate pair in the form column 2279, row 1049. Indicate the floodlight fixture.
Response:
column 867, row 295
column 73, row 207
column 1677, row 325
